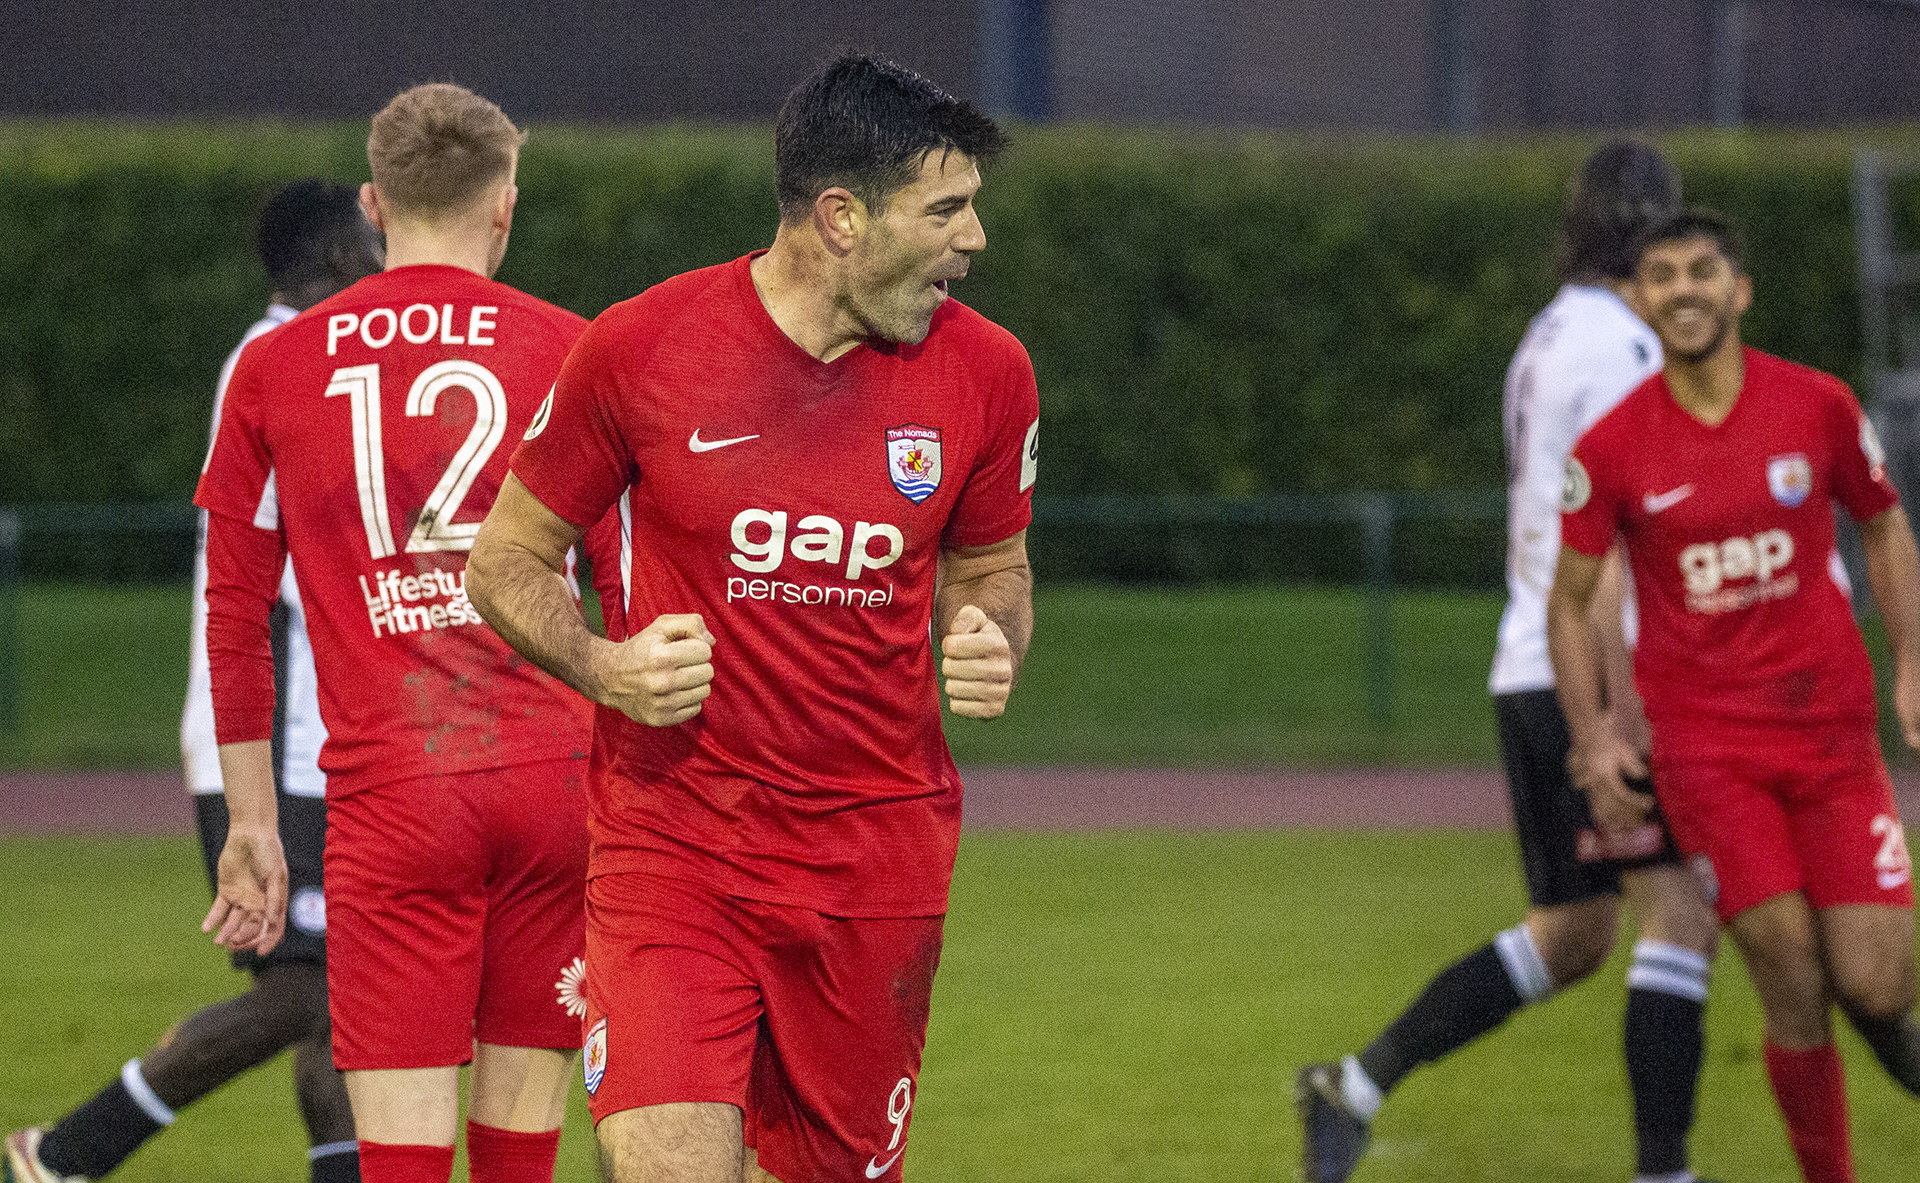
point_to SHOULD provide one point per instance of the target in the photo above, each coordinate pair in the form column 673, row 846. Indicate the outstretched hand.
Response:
column 977, row 663
column 249, row 910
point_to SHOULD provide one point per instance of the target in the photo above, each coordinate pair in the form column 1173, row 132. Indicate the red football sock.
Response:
column 386, row 1162
column 1812, row 1094
column 505, row 1156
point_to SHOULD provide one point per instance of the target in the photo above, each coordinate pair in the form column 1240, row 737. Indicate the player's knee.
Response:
column 1575, row 940
column 291, row 1001
column 1879, row 987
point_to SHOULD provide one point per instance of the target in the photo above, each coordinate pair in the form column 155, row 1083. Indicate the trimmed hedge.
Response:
column 1208, row 313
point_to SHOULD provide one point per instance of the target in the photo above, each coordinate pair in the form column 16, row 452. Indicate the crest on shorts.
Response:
column 913, row 460
column 572, row 988
column 1790, row 479
column 593, row 1057
column 307, row 911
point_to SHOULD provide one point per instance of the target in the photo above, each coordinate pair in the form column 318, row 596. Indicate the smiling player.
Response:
column 815, row 454
column 1718, row 475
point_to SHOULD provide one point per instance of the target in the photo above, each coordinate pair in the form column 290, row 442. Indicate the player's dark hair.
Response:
column 865, row 123
column 1697, row 222
column 309, row 231
column 1623, row 188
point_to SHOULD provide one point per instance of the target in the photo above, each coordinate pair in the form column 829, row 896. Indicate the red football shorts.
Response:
column 1780, row 810
column 454, row 907
column 812, row 1025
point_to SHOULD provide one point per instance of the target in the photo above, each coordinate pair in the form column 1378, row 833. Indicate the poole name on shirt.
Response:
column 823, row 540
column 418, row 324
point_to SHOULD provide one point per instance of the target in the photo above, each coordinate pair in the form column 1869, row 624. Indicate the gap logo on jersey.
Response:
column 913, row 460
column 819, row 539
column 1708, row 566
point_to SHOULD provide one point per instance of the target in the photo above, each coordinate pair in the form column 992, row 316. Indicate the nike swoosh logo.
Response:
column 1654, row 503
column 696, row 444
column 875, row 1171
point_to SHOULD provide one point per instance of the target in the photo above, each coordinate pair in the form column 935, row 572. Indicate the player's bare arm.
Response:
column 983, row 613
column 1893, row 572
column 658, row 676
column 1600, row 761
column 250, row 903
column 1625, row 711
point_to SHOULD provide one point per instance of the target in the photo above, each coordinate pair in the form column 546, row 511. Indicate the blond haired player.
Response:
column 366, row 439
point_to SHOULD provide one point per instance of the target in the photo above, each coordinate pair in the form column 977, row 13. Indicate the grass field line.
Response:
column 997, row 798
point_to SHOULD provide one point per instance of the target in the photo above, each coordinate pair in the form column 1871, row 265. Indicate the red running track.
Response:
column 997, row 798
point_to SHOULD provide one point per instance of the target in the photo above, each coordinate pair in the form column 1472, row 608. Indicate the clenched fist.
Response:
column 661, row 674
column 977, row 664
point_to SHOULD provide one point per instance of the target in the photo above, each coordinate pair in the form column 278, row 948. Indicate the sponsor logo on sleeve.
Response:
column 913, row 460
column 1871, row 449
column 593, row 1057
column 1790, row 479
column 1576, row 488
column 1030, row 457
column 540, row 416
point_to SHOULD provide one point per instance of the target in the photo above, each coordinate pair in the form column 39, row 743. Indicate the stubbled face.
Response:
column 1691, row 296
column 898, row 270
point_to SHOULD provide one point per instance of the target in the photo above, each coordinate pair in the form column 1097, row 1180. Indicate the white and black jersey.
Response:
column 1583, row 354
column 298, row 731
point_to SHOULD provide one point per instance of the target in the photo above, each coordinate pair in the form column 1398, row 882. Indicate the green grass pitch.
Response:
column 1124, row 1006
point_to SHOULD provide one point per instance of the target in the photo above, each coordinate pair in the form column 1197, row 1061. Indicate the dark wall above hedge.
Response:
column 1225, row 314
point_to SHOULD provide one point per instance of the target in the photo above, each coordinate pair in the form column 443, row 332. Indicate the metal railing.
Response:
column 1376, row 518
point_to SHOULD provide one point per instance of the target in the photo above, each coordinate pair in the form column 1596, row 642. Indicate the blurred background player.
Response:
column 775, row 809
column 314, row 240
column 364, row 439
column 1719, row 475
column 1579, row 358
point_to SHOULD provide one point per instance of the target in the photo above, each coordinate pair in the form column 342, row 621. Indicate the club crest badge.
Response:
column 593, row 1057
column 913, row 460
column 1790, row 479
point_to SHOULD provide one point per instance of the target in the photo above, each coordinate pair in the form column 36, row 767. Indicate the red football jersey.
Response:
column 800, row 508
column 1729, row 529
column 368, row 434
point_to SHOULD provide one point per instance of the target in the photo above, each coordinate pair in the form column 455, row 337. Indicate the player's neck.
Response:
column 1708, row 387
column 798, row 291
column 414, row 245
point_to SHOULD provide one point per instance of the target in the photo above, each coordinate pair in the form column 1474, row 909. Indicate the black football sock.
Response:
column 1896, row 1044
column 99, row 1135
column 335, row 1162
column 1666, row 1001
column 1463, row 1002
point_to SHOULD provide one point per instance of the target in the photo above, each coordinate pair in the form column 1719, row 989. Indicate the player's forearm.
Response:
column 530, row 605
column 1604, row 618
column 246, row 775
column 1893, row 572
column 1006, row 596
column 1576, row 666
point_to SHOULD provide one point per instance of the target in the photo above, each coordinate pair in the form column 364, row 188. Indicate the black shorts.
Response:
column 303, row 834
column 1565, row 858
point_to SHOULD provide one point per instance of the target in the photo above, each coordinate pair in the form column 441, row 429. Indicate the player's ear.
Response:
column 1742, row 292
column 841, row 219
column 503, row 207
column 370, row 202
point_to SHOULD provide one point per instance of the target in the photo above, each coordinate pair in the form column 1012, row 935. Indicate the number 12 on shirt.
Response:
column 435, row 528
